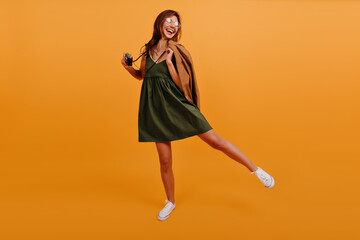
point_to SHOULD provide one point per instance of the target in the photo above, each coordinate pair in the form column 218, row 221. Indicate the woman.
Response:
column 165, row 114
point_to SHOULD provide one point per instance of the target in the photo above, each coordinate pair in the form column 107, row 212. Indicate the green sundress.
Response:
column 164, row 112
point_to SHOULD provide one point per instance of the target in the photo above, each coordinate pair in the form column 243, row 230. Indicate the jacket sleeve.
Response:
column 194, row 89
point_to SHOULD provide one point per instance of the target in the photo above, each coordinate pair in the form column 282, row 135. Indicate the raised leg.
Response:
column 167, row 175
column 219, row 143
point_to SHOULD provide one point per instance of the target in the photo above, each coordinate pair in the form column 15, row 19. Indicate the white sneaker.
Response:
column 165, row 212
column 264, row 177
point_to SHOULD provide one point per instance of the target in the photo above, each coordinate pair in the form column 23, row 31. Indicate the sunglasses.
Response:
column 169, row 20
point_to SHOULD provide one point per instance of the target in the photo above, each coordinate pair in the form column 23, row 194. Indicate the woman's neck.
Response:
column 162, row 45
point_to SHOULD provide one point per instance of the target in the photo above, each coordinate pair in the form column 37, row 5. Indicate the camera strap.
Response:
column 149, row 57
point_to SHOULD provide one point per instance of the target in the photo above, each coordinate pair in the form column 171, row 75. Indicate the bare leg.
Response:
column 167, row 175
column 219, row 143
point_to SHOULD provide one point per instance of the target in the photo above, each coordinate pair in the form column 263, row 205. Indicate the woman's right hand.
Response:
column 127, row 67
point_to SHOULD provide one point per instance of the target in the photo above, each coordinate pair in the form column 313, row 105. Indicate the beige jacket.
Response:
column 186, row 72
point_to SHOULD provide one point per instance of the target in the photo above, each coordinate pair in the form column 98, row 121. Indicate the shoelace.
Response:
column 167, row 207
column 261, row 175
column 264, row 177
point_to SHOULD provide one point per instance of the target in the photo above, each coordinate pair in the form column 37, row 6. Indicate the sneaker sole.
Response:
column 163, row 218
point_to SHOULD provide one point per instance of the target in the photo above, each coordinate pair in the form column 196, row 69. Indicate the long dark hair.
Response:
column 158, row 28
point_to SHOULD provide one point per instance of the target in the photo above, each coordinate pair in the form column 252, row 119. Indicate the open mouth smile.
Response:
column 170, row 31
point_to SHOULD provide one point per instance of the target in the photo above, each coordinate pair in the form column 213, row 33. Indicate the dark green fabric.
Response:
column 164, row 112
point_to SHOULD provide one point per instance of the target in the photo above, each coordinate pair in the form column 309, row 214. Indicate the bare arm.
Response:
column 138, row 74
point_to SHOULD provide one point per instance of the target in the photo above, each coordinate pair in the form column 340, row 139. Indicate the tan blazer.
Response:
column 186, row 71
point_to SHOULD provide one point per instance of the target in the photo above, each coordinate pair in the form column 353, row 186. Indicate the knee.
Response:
column 214, row 140
column 218, row 143
column 166, row 164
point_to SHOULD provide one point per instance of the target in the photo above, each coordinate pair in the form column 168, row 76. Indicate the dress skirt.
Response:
column 164, row 112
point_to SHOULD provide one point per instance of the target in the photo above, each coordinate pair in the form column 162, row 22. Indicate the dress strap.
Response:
column 156, row 60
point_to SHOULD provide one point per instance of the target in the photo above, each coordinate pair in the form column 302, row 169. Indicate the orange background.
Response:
column 279, row 79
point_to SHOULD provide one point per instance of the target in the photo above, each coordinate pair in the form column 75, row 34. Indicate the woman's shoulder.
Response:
column 145, row 51
column 144, row 54
column 173, row 43
column 179, row 46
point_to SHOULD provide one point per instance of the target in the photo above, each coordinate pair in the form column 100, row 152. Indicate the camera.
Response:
column 128, row 59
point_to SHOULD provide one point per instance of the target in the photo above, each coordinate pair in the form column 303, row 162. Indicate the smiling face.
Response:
column 169, row 29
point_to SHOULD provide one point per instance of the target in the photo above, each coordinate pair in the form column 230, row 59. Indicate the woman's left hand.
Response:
column 169, row 54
